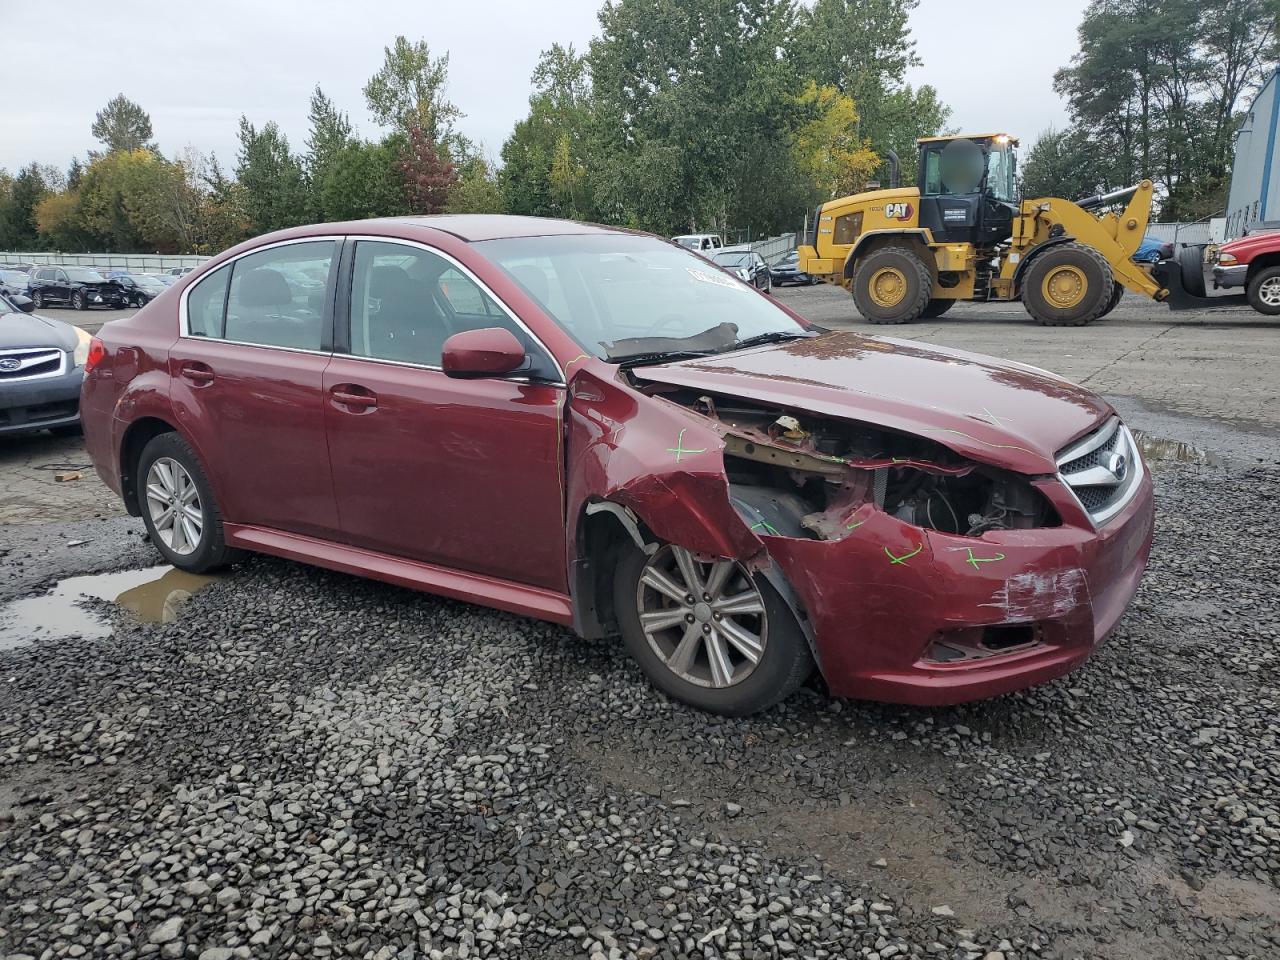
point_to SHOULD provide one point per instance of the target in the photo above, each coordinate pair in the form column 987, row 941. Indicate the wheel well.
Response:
column 906, row 241
column 1261, row 262
column 602, row 540
column 140, row 433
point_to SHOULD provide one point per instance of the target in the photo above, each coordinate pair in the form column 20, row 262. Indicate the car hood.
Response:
column 1249, row 246
column 29, row 330
column 993, row 411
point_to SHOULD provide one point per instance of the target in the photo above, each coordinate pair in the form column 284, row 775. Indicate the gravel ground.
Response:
column 304, row 764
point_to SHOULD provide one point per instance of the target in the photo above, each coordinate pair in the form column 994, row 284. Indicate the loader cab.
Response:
column 968, row 188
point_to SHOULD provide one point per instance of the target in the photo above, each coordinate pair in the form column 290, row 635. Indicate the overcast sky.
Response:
column 196, row 67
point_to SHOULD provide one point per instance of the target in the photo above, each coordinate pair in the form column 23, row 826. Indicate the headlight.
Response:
column 1226, row 259
column 81, row 353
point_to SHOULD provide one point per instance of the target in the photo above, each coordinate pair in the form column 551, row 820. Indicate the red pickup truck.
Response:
column 1252, row 262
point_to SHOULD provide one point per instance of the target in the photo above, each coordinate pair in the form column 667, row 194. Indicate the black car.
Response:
column 139, row 288
column 745, row 265
column 787, row 270
column 13, row 282
column 41, row 366
column 77, row 287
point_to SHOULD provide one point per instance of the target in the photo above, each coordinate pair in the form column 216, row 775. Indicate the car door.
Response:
column 246, row 385
column 461, row 473
column 60, row 286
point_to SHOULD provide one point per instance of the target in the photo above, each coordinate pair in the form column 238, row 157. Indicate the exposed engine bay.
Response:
column 799, row 475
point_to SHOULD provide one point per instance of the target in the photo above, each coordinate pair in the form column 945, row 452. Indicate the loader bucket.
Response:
column 1169, row 274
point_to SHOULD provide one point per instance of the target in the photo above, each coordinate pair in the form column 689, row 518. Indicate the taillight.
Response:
column 96, row 352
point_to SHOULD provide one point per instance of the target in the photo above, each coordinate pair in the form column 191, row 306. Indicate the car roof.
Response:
column 474, row 227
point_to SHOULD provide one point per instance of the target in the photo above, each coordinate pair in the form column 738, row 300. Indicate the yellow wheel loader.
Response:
column 963, row 234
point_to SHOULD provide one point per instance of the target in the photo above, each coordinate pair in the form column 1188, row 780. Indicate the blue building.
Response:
column 1255, row 174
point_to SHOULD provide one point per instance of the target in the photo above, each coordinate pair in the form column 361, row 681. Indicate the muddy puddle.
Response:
column 153, row 595
column 1157, row 450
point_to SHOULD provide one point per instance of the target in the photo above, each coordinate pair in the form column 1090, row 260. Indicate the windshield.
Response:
column 621, row 295
column 1001, row 170
column 732, row 259
column 691, row 242
column 81, row 275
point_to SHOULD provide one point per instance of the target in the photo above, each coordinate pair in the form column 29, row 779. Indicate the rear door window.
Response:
column 207, row 304
column 277, row 296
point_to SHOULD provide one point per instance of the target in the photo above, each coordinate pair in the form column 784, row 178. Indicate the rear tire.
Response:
column 170, row 477
column 1068, row 286
column 758, row 613
column 892, row 285
column 936, row 308
column 1264, row 291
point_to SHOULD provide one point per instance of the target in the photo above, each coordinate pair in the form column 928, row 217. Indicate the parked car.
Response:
column 180, row 271
column 165, row 279
column 597, row 428
column 701, row 242
column 787, row 270
column 41, row 366
column 76, row 287
column 1252, row 262
column 13, row 282
column 747, row 266
column 139, row 288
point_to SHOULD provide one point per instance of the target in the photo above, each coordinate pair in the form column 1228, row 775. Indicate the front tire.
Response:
column 37, row 299
column 1264, row 291
column 77, row 301
column 178, row 508
column 710, row 634
column 892, row 285
column 1068, row 286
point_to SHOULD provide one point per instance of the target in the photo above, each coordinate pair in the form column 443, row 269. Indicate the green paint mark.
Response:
column 904, row 558
column 680, row 449
column 854, row 526
column 581, row 356
column 766, row 526
column 898, row 459
column 975, row 561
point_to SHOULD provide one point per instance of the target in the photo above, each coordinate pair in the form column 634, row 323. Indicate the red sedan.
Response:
column 601, row 429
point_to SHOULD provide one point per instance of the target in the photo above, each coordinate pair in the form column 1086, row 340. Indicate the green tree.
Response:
column 864, row 49
column 693, row 121
column 546, row 158
column 1158, row 87
column 828, row 151
column 123, row 125
column 476, row 190
column 331, row 133
column 274, row 187
column 1066, row 164
column 409, row 91
column 362, row 181
column 18, row 227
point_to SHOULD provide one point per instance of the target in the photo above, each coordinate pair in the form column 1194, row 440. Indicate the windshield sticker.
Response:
column 719, row 279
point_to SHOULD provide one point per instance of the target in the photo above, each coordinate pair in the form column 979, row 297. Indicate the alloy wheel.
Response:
column 173, row 502
column 706, row 622
column 1269, row 291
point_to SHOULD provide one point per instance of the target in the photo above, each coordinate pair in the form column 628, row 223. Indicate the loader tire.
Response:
column 892, row 285
column 1116, row 296
column 936, row 308
column 1068, row 286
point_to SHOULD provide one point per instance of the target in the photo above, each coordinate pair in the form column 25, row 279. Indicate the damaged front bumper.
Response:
column 907, row 615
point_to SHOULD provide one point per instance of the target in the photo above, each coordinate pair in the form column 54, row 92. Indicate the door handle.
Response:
column 198, row 373
column 353, row 395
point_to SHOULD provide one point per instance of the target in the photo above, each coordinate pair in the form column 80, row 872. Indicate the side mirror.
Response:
column 488, row 352
column 25, row 304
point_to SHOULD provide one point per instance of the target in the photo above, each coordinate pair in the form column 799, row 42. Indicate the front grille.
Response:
column 31, row 363
column 1104, row 470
